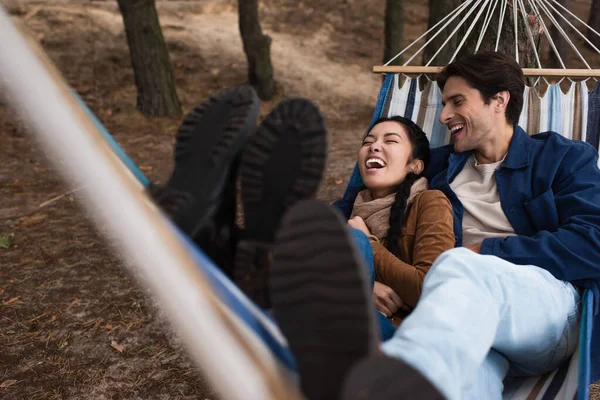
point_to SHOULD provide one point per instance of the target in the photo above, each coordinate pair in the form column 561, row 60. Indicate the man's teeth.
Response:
column 456, row 128
column 374, row 162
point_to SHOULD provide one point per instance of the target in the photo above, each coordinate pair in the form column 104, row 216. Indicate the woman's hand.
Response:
column 358, row 223
column 386, row 300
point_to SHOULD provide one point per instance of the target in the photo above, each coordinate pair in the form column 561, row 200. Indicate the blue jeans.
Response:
column 481, row 318
column 386, row 328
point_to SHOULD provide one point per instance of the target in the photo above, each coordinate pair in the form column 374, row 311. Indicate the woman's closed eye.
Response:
column 391, row 141
column 367, row 143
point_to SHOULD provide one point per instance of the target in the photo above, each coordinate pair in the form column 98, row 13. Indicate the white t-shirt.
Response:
column 476, row 188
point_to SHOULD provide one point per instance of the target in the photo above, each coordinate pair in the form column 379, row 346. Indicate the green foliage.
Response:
column 5, row 240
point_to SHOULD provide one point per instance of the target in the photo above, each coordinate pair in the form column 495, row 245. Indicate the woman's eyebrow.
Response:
column 393, row 134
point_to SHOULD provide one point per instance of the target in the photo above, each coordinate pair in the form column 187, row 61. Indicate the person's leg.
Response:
column 385, row 378
column 471, row 303
column 386, row 328
column 321, row 297
column 200, row 195
column 322, row 303
column 282, row 164
column 363, row 245
column 488, row 381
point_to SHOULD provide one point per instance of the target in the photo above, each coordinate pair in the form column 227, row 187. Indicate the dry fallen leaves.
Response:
column 8, row 383
column 116, row 346
column 10, row 301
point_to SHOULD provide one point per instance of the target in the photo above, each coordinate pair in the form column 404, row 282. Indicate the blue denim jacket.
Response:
column 549, row 189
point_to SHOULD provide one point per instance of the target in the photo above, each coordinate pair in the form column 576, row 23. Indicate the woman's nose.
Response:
column 375, row 146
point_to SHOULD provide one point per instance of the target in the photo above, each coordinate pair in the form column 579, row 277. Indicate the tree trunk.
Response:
column 438, row 9
column 594, row 22
column 394, row 11
column 559, row 40
column 150, row 59
column 257, row 48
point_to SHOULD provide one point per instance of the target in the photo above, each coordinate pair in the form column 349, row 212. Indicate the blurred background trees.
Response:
column 156, row 93
column 257, row 47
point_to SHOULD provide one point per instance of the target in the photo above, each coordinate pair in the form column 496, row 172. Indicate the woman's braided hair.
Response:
column 420, row 150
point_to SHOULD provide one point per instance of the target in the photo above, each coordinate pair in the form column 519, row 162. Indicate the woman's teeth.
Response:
column 375, row 163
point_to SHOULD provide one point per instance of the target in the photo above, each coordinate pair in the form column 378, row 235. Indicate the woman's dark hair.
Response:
column 420, row 150
column 490, row 73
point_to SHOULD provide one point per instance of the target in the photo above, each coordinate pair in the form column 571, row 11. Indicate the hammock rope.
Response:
column 547, row 14
column 530, row 36
column 573, row 27
column 500, row 23
column 452, row 15
column 563, row 33
column 490, row 14
column 516, row 24
column 466, row 36
column 447, row 39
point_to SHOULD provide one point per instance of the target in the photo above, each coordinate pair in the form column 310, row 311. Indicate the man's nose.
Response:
column 445, row 115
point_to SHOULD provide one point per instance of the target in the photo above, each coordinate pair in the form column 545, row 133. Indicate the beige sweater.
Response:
column 476, row 188
column 376, row 212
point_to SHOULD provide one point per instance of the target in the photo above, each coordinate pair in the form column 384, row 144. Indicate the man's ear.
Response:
column 416, row 166
column 502, row 99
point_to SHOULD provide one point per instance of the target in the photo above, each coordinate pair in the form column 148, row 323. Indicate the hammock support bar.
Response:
column 578, row 74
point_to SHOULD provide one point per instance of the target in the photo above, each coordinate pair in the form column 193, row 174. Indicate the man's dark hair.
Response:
column 490, row 73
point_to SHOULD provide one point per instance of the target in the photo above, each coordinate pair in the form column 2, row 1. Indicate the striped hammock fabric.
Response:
column 564, row 382
column 573, row 114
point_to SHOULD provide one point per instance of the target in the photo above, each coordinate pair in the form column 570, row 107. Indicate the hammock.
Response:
column 424, row 106
column 239, row 348
column 574, row 114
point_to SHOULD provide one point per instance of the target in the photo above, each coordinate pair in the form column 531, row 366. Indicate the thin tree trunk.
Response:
column 394, row 12
column 594, row 22
column 257, row 47
column 438, row 9
column 150, row 59
column 559, row 40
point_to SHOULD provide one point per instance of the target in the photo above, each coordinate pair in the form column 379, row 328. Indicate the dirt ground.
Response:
column 74, row 324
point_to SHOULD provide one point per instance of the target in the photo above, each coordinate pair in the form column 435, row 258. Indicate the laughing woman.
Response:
column 408, row 226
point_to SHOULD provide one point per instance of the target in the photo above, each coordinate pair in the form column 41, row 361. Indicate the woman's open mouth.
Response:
column 375, row 164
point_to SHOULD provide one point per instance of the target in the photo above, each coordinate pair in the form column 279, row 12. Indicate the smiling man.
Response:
column 506, row 301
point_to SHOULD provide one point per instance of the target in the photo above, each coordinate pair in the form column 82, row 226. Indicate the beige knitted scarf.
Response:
column 376, row 212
